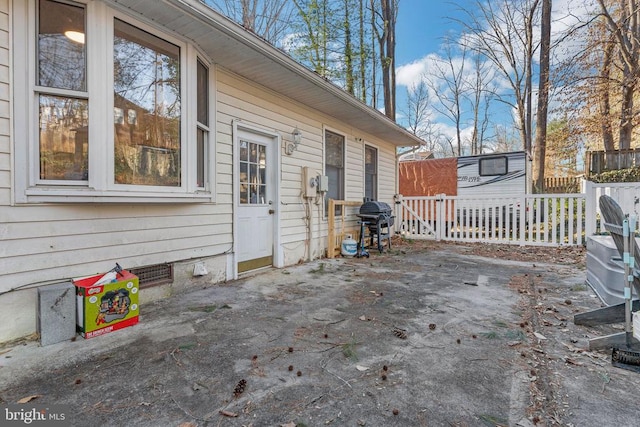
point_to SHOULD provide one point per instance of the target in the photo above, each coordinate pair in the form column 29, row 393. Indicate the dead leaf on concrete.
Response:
column 291, row 424
column 539, row 336
column 187, row 424
column 362, row 318
column 228, row 413
column 29, row 398
column 571, row 361
column 361, row 368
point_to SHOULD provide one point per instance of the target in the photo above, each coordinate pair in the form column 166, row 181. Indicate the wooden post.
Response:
column 332, row 229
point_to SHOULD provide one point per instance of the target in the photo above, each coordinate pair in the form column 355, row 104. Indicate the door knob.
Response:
column 272, row 211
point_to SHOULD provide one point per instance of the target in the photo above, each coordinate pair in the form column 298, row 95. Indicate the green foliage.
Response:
column 349, row 351
column 621, row 175
column 319, row 270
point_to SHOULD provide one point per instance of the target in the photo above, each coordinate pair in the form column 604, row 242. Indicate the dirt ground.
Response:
column 426, row 334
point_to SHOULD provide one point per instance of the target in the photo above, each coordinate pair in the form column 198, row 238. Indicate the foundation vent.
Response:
column 153, row 275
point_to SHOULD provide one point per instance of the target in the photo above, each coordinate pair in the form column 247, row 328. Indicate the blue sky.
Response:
column 421, row 28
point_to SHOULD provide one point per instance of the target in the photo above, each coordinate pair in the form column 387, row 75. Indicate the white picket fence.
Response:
column 540, row 219
column 627, row 195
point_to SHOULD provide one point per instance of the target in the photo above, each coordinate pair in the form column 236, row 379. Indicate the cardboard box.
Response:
column 108, row 307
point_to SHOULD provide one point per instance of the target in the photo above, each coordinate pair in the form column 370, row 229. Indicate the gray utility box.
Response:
column 56, row 313
column 605, row 270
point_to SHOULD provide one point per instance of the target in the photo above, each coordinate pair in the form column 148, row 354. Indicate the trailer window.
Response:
column 493, row 166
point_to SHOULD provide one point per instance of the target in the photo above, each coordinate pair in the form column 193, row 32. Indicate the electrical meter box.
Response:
column 323, row 183
column 309, row 186
column 106, row 307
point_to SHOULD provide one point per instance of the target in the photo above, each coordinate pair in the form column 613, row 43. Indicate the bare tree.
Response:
column 623, row 21
column 417, row 108
column 600, row 81
column 448, row 83
column 543, row 97
column 502, row 31
column 385, row 14
column 481, row 93
column 270, row 19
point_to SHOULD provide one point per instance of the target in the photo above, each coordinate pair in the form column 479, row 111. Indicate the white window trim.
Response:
column 101, row 186
column 364, row 168
column 326, row 128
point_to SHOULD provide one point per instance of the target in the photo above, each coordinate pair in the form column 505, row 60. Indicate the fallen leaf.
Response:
column 291, row 424
column 29, row 398
column 228, row 413
column 573, row 362
column 539, row 336
column 187, row 424
column 362, row 318
column 361, row 368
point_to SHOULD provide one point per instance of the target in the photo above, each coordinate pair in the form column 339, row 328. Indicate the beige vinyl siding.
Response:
column 386, row 174
column 55, row 242
column 239, row 99
column 354, row 170
column 5, row 142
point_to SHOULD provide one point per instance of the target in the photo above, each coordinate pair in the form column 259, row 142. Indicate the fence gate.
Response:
column 541, row 219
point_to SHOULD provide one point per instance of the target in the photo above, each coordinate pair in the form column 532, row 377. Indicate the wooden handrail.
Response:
column 333, row 241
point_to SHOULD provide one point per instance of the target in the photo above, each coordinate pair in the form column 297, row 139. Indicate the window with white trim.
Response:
column 334, row 167
column 370, row 172
column 108, row 127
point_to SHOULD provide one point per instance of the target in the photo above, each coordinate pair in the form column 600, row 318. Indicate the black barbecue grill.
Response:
column 376, row 217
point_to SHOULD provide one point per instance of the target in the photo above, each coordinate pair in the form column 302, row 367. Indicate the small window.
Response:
column 253, row 173
column 202, row 113
column 334, row 167
column 370, row 173
column 493, row 166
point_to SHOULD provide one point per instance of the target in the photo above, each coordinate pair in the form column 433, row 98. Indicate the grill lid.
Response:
column 375, row 208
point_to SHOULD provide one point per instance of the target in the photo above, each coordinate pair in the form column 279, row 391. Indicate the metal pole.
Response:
column 628, row 260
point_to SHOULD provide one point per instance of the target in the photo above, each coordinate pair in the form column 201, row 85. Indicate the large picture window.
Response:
column 103, row 116
column 334, row 166
column 146, row 74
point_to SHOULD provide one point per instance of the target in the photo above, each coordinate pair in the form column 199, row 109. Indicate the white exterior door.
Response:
column 255, row 199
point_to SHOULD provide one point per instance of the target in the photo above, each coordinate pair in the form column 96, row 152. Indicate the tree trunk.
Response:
column 362, row 54
column 387, row 45
column 543, row 97
column 348, row 50
column 626, row 111
column 605, row 99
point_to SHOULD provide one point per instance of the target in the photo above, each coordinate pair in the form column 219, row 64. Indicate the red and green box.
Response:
column 107, row 307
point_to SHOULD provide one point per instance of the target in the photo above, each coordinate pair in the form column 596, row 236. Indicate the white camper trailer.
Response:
column 499, row 174
column 499, row 179
column 491, row 175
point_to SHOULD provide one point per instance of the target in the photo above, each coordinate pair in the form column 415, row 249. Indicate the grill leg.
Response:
column 361, row 250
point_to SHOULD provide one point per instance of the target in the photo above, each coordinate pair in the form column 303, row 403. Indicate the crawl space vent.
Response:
column 153, row 275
